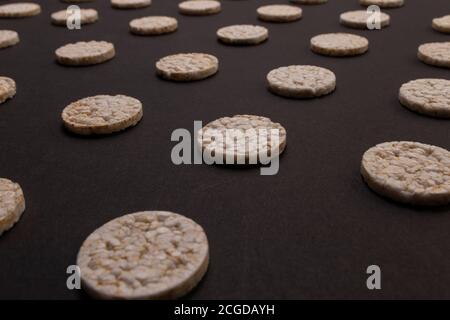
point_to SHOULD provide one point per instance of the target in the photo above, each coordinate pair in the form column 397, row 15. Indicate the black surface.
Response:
column 308, row 232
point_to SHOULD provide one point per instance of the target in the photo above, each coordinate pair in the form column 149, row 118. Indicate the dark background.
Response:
column 308, row 232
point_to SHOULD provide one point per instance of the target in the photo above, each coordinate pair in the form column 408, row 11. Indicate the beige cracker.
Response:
column 383, row 3
column 243, row 139
column 130, row 4
column 301, row 81
column 7, row 89
column 427, row 96
column 187, row 66
column 87, row 16
column 358, row 19
column 199, row 7
column 19, row 10
column 435, row 53
column 77, row 1
column 85, row 53
column 153, row 25
column 339, row 44
column 279, row 13
column 309, row 1
column 12, row 204
column 408, row 172
column 243, row 34
column 102, row 114
column 144, row 255
column 8, row 38
column 442, row 24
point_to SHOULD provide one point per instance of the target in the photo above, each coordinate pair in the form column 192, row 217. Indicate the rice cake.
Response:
column 7, row 89
column 435, row 54
column 242, row 139
column 8, row 38
column 144, row 255
column 199, row 7
column 339, row 44
column 279, row 13
column 87, row 16
column 19, row 10
column 408, row 172
column 242, row 34
column 85, row 53
column 153, row 25
column 187, row 66
column 12, row 204
column 102, row 114
column 427, row 96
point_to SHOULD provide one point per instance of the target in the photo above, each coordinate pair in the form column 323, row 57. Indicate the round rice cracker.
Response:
column 8, row 38
column 102, row 114
column 87, row 16
column 77, row 1
column 19, row 10
column 279, row 13
column 7, row 89
column 301, row 81
column 308, row 2
column 408, row 172
column 12, row 204
column 144, row 255
column 243, row 34
column 187, row 66
column 246, row 139
column 442, row 24
column 153, row 25
column 199, row 7
column 339, row 44
column 85, row 53
column 358, row 19
column 427, row 96
column 130, row 4
column 383, row 3
column 435, row 54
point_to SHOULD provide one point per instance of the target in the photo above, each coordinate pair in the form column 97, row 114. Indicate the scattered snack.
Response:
column 339, row 44
column 244, row 34
column 301, row 81
column 130, row 4
column 279, row 13
column 7, row 89
column 242, row 139
column 435, row 54
column 199, row 7
column 442, row 24
column 77, row 1
column 358, row 19
column 408, row 172
column 85, row 53
column 144, row 255
column 153, row 25
column 102, row 114
column 12, row 204
column 187, row 66
column 8, row 38
column 309, row 1
column 383, row 3
column 427, row 96
column 19, row 10
column 87, row 16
